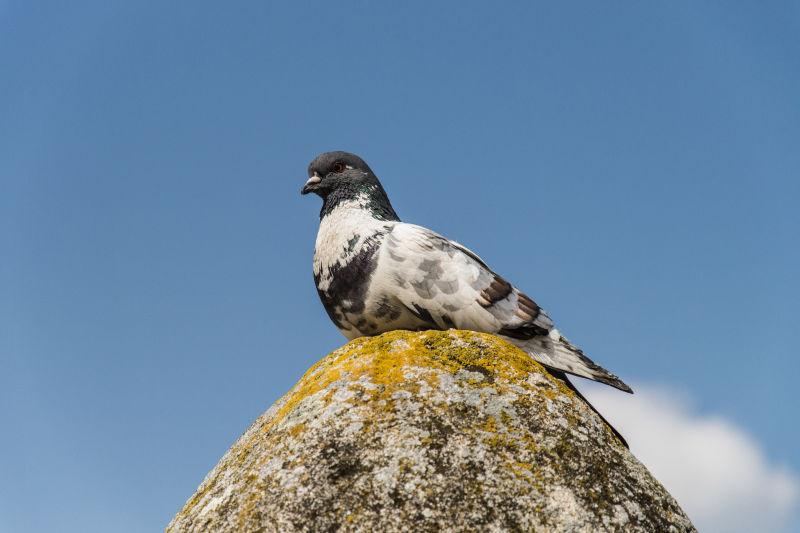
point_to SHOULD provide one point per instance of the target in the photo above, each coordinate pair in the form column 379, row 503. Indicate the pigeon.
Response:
column 375, row 274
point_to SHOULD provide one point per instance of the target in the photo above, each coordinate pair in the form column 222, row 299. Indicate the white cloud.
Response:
column 717, row 472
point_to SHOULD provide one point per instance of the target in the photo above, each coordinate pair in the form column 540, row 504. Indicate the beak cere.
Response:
column 309, row 186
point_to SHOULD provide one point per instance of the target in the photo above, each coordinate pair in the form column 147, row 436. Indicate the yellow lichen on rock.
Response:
column 452, row 430
column 382, row 359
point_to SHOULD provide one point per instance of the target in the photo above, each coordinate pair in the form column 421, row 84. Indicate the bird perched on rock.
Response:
column 375, row 273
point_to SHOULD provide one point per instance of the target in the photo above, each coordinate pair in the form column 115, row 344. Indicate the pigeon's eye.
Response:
column 339, row 167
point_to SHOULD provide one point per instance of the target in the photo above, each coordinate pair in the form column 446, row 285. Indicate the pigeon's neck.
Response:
column 370, row 198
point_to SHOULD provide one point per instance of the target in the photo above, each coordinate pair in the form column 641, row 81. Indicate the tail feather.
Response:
column 586, row 367
column 555, row 351
column 563, row 377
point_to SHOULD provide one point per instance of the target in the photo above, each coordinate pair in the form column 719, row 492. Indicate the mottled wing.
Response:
column 445, row 285
column 448, row 286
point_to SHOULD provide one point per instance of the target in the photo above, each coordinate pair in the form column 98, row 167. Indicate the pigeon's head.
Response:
column 341, row 177
column 335, row 171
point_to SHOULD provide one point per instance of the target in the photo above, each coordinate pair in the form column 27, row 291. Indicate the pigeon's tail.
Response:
column 563, row 377
column 583, row 366
column 556, row 352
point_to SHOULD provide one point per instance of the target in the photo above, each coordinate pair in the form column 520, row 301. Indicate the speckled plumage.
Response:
column 375, row 273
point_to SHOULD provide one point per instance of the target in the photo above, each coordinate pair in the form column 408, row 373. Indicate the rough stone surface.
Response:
column 429, row 431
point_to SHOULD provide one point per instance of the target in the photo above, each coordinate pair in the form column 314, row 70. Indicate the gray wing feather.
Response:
column 454, row 285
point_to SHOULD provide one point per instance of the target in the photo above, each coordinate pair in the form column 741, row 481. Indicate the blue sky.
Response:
column 632, row 166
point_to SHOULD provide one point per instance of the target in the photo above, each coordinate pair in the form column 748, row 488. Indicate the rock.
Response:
column 429, row 431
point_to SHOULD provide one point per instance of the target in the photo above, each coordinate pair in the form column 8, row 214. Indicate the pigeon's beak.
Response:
column 311, row 184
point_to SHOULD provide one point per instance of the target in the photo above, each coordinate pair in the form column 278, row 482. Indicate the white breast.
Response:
column 341, row 234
